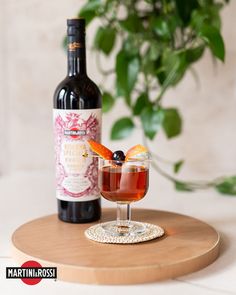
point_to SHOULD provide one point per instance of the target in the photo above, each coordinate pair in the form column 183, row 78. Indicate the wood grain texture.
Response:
column 187, row 246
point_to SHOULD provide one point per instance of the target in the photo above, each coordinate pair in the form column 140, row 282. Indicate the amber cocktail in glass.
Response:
column 123, row 183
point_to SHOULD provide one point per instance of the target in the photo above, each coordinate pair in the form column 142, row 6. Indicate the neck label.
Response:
column 74, row 45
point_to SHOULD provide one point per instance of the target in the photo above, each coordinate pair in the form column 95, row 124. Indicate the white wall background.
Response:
column 32, row 63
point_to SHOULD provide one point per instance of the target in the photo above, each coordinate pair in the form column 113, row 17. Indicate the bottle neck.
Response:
column 76, row 52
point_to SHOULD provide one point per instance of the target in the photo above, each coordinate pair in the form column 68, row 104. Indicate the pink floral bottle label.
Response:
column 76, row 176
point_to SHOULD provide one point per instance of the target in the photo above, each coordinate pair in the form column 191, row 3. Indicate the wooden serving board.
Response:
column 187, row 246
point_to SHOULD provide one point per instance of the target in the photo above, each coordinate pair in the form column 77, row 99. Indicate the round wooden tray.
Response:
column 187, row 246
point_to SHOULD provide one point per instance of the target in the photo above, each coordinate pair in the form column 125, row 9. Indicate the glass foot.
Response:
column 131, row 228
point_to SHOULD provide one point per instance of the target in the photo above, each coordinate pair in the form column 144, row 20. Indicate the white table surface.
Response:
column 28, row 195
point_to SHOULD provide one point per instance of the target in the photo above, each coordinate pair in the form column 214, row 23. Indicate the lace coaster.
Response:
column 97, row 234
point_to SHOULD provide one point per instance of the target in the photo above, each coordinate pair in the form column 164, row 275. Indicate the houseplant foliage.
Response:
column 155, row 42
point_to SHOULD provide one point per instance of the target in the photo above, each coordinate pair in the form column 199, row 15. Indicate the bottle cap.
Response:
column 76, row 22
column 75, row 26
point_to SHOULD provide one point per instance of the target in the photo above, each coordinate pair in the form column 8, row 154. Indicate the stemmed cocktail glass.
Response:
column 123, row 182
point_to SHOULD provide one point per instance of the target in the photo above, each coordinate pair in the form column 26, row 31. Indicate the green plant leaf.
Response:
column 227, row 186
column 89, row 10
column 183, row 186
column 164, row 26
column 208, row 15
column 132, row 24
column 160, row 27
column 127, row 68
column 214, row 40
column 198, row 18
column 214, row 16
column 141, row 102
column 122, row 128
column 172, row 123
column 147, row 64
column 174, row 22
column 130, row 45
column 174, row 66
column 185, row 9
column 177, row 166
column 107, row 102
column 194, row 54
column 127, row 99
column 105, row 39
column 154, row 51
column 151, row 119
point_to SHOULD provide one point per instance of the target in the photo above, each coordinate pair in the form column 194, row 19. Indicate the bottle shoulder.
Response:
column 77, row 92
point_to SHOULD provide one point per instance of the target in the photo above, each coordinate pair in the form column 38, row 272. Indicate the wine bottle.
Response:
column 76, row 118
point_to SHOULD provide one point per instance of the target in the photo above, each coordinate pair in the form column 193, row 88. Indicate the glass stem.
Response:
column 123, row 214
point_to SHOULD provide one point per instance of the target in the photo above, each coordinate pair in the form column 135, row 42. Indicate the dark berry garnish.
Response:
column 118, row 157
